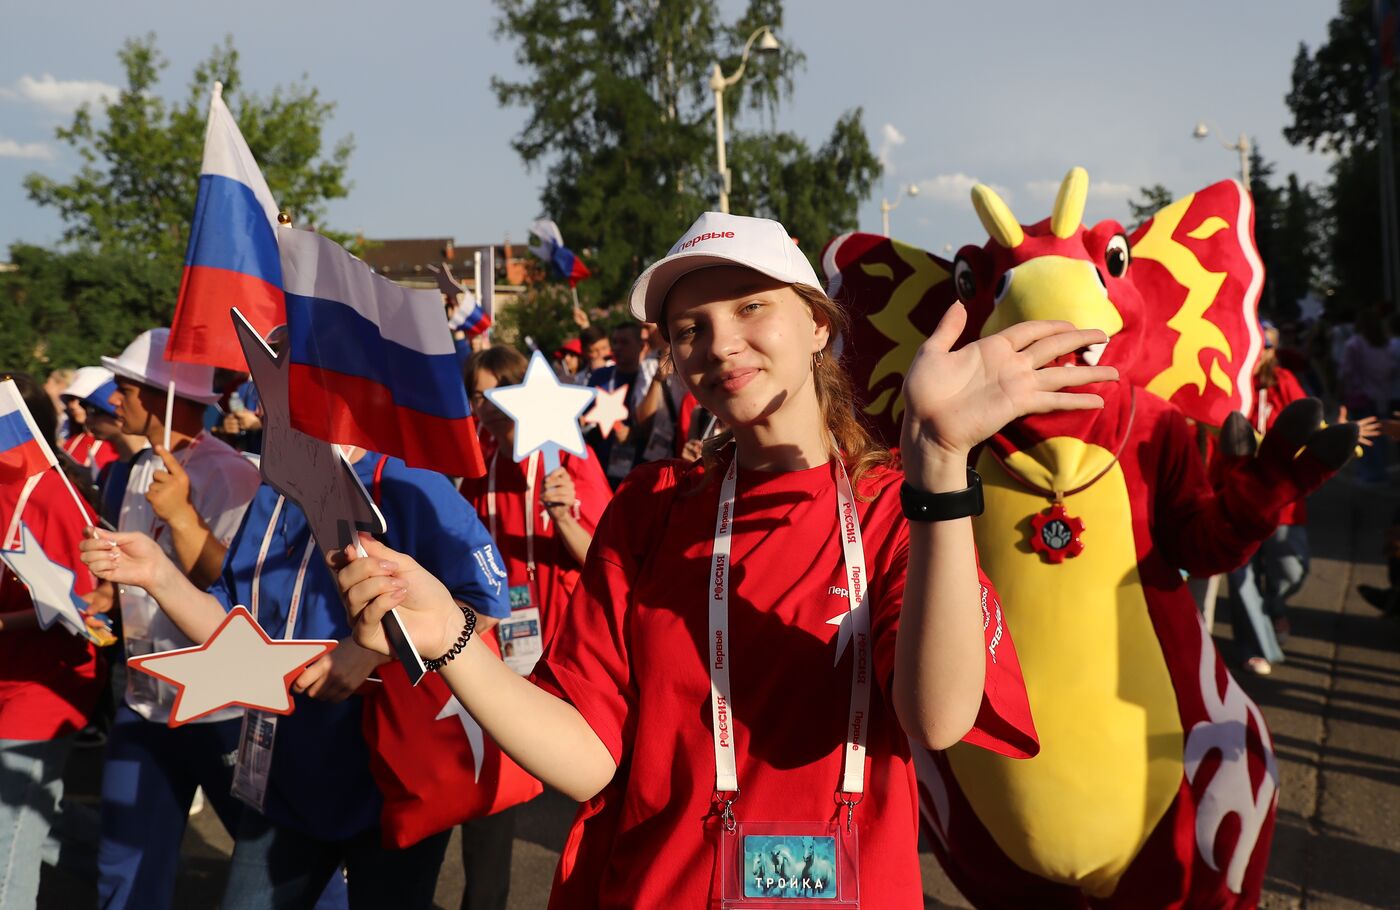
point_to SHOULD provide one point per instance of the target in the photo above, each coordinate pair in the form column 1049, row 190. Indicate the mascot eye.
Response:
column 1003, row 285
column 1116, row 257
column 963, row 281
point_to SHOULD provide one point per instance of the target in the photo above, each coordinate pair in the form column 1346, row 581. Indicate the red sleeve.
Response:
column 105, row 455
column 591, row 489
column 1004, row 722
column 586, row 663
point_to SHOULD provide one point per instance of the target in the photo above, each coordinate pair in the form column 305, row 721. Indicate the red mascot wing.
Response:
column 895, row 295
column 1199, row 273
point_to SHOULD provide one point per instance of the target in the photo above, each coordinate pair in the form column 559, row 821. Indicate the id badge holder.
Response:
column 776, row 865
column 521, row 638
column 253, row 763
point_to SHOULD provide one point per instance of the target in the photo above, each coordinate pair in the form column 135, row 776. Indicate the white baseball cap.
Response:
column 144, row 361
column 86, row 381
column 714, row 239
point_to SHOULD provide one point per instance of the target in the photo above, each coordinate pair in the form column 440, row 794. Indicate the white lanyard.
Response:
column 721, row 692
column 24, row 494
column 294, row 607
column 531, row 472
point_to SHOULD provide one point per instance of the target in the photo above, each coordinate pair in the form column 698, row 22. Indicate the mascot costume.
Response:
column 1156, row 784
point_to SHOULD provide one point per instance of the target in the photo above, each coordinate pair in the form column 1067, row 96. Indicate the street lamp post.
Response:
column 718, row 83
column 1243, row 147
column 886, row 206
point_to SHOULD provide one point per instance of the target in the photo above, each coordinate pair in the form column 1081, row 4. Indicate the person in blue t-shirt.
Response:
column 319, row 804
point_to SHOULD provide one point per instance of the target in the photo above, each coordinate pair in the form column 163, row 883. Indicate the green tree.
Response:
column 1334, row 103
column 1151, row 200
column 621, row 119
column 127, row 211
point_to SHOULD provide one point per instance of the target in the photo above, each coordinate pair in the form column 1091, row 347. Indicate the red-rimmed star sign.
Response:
column 238, row 665
column 1055, row 534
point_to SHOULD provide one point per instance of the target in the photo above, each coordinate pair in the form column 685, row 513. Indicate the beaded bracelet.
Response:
column 468, row 628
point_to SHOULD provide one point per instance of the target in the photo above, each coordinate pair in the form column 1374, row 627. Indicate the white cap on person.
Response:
column 85, row 382
column 715, row 239
column 144, row 361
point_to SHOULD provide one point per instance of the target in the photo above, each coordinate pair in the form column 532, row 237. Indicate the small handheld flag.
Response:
column 24, row 451
column 232, row 256
column 373, row 363
column 552, row 250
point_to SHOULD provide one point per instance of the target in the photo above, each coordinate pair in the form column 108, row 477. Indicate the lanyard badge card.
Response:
column 521, row 637
column 788, row 864
column 253, row 761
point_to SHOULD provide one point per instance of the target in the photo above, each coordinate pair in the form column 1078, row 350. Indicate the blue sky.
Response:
column 1012, row 94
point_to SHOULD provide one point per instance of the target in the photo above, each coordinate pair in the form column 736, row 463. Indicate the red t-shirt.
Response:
column 631, row 655
column 48, row 679
column 87, row 451
column 1285, row 390
column 556, row 571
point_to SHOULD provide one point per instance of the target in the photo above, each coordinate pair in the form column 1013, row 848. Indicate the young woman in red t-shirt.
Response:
column 786, row 560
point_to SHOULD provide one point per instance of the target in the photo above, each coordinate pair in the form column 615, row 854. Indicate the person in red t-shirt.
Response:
column 1260, row 589
column 49, row 679
column 543, row 527
column 543, row 547
column 756, row 639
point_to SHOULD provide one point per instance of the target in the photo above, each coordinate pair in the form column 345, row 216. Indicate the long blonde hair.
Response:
column 853, row 442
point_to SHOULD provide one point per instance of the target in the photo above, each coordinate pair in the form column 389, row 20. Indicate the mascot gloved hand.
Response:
column 1155, row 785
column 1298, row 454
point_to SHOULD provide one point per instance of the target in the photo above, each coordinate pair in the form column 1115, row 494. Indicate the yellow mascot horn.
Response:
column 1069, row 204
column 996, row 217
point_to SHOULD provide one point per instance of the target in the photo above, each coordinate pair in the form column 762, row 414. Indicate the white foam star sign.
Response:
column 238, row 665
column 50, row 585
column 609, row 409
column 546, row 413
column 475, row 736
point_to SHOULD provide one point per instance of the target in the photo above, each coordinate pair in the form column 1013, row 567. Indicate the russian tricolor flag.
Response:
column 23, row 451
column 373, row 363
column 232, row 257
column 552, row 250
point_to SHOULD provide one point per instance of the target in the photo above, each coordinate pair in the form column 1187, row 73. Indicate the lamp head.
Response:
column 768, row 42
column 912, row 189
column 1201, row 131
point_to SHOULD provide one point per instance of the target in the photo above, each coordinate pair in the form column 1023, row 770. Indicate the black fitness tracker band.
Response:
column 921, row 505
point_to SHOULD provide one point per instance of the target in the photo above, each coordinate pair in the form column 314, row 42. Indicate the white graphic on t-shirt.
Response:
column 1229, row 791
column 470, row 727
column 843, row 624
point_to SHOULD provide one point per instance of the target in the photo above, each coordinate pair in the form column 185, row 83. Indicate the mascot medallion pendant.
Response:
column 1055, row 534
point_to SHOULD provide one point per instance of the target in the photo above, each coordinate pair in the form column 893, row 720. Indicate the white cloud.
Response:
column 890, row 138
column 956, row 189
column 61, row 96
column 12, row 149
column 1045, row 190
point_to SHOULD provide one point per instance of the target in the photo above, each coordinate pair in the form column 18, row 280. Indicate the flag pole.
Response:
column 169, row 409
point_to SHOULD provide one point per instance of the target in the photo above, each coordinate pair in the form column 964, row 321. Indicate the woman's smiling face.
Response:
column 742, row 341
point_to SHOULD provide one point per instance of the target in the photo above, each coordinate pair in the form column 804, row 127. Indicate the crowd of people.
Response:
column 719, row 526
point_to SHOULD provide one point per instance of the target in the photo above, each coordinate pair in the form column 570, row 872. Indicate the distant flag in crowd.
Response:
column 23, row 450
column 552, row 250
column 468, row 314
column 232, row 256
column 372, row 363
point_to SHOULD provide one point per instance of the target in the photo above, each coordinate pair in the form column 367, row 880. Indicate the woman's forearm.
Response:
column 196, row 613
column 939, row 666
column 545, row 735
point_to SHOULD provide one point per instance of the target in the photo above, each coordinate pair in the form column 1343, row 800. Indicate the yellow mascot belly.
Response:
column 1111, row 742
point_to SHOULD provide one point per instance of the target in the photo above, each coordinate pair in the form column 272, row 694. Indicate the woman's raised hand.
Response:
column 956, row 399
column 384, row 579
column 124, row 558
